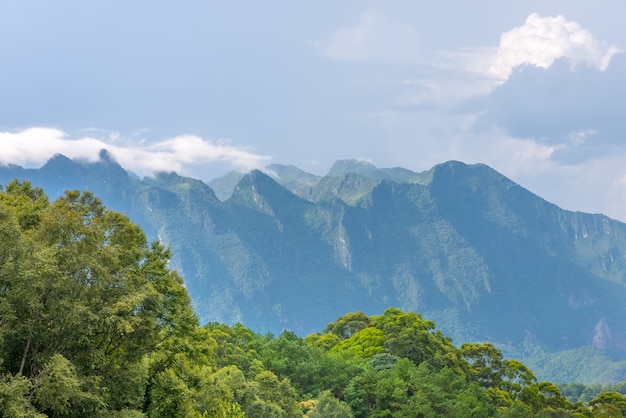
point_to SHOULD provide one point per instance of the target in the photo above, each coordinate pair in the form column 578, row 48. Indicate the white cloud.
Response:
column 36, row 145
column 31, row 147
column 543, row 40
column 375, row 38
column 540, row 42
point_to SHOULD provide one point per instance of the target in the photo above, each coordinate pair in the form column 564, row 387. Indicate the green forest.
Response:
column 94, row 323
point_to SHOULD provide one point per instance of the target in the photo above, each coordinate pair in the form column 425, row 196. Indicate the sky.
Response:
column 534, row 89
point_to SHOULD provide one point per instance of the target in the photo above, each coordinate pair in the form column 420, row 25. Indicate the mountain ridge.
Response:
column 481, row 255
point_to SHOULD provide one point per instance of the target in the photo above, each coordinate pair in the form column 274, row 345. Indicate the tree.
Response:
column 407, row 390
column 273, row 394
column 329, row 406
column 170, row 397
column 15, row 399
column 59, row 391
column 347, row 325
column 236, row 345
column 83, row 301
column 605, row 401
column 486, row 364
column 363, row 344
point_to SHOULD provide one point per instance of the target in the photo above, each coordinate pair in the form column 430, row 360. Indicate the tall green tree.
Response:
column 84, row 299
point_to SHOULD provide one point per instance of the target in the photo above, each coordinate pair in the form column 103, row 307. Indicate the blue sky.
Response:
column 534, row 89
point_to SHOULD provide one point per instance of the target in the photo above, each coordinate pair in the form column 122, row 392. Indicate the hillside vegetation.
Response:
column 94, row 324
column 465, row 246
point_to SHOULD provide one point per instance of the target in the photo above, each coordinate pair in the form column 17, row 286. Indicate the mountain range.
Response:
column 483, row 257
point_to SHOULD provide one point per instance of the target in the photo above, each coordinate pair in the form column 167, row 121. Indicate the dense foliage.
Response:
column 93, row 323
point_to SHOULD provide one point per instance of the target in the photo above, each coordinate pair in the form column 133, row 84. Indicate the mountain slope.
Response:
column 481, row 255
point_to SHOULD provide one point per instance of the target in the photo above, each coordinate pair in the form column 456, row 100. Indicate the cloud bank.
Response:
column 578, row 112
column 34, row 146
column 543, row 40
column 540, row 43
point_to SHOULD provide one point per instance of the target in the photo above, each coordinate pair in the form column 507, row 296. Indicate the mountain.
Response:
column 482, row 256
